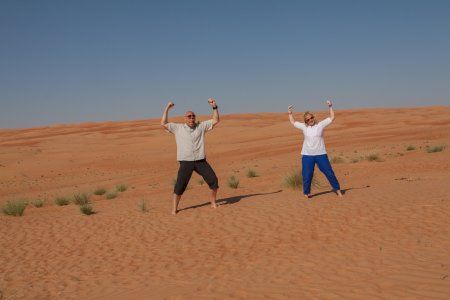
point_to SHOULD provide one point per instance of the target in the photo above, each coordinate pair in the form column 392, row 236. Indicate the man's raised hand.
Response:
column 212, row 102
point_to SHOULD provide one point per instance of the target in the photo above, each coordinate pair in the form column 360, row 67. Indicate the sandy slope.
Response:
column 389, row 238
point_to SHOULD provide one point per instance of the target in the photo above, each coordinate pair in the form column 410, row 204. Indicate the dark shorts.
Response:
column 185, row 172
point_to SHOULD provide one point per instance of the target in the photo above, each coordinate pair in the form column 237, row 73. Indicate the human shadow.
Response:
column 229, row 200
column 343, row 191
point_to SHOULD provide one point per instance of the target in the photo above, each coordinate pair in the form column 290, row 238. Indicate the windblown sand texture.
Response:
column 389, row 238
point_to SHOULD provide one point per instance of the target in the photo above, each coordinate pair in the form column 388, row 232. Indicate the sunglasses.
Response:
column 309, row 119
column 190, row 116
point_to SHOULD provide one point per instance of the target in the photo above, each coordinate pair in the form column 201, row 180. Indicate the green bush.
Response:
column 81, row 199
column 252, row 173
column 60, row 201
column 86, row 209
column 294, row 180
column 110, row 196
column 14, row 208
column 142, row 205
column 38, row 203
column 121, row 188
column 100, row 191
column 337, row 160
column 437, row 148
column 374, row 157
column 233, row 182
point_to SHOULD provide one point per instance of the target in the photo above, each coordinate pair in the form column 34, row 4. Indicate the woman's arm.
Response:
column 291, row 118
column 330, row 105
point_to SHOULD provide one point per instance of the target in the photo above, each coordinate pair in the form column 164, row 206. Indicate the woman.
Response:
column 313, row 150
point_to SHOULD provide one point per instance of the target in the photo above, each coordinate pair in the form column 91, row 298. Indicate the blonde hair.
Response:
column 308, row 113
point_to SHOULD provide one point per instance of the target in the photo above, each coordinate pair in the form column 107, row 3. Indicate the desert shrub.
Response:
column 60, row 201
column 38, row 203
column 121, row 188
column 100, row 191
column 86, row 209
column 233, row 182
column 142, row 205
column 81, row 199
column 437, row 148
column 111, row 195
column 410, row 148
column 14, row 208
column 294, row 180
column 374, row 157
column 337, row 160
column 252, row 173
column 201, row 181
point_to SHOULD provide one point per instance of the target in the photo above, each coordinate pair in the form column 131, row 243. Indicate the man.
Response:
column 191, row 151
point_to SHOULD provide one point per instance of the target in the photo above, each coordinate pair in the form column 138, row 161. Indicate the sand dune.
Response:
column 389, row 238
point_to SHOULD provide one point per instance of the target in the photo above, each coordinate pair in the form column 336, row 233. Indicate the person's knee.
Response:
column 213, row 182
column 209, row 176
column 307, row 175
column 183, row 177
column 179, row 188
column 328, row 171
column 179, row 192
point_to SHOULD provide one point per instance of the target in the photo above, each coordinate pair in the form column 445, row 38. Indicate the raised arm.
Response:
column 215, row 116
column 165, row 116
column 291, row 118
column 330, row 105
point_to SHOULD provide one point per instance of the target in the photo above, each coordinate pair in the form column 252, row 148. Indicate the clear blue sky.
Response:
column 77, row 61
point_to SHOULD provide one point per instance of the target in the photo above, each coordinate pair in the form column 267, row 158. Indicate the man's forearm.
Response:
column 215, row 116
column 165, row 117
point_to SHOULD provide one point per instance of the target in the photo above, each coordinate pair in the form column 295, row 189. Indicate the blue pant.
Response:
column 308, row 163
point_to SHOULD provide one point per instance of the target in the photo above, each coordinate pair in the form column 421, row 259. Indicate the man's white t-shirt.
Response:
column 190, row 141
column 313, row 143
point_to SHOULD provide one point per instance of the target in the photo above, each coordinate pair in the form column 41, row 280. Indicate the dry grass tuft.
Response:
column 15, row 208
column 233, row 182
column 437, row 148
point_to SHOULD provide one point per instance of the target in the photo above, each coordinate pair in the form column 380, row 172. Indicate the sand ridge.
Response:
column 389, row 238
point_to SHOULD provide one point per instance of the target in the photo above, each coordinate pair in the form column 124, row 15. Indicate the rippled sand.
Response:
column 389, row 238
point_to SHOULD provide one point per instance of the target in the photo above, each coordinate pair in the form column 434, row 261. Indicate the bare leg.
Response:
column 176, row 200
column 338, row 192
column 213, row 198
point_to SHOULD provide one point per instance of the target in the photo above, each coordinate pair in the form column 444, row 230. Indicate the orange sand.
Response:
column 389, row 238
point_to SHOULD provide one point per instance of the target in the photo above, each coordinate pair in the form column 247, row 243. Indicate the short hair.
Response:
column 308, row 113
